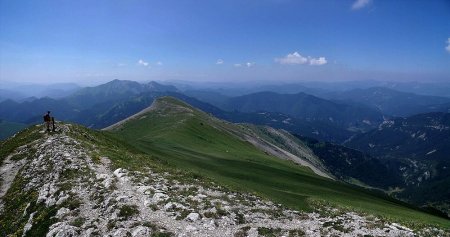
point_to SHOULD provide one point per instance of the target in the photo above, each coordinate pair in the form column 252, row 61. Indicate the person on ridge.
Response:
column 47, row 120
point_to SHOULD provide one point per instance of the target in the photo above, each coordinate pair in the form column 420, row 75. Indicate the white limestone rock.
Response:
column 193, row 217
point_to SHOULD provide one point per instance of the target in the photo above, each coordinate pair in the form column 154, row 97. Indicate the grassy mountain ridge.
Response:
column 187, row 138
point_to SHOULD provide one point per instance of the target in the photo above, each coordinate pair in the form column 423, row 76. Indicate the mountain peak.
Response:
column 163, row 106
column 169, row 101
column 155, row 86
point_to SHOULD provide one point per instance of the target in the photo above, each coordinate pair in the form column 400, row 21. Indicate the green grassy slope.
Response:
column 190, row 139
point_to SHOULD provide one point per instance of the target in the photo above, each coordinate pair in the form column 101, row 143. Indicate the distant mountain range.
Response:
column 84, row 106
column 9, row 128
column 335, row 119
column 105, row 104
column 307, row 107
column 28, row 92
column 112, row 92
column 351, row 133
column 392, row 102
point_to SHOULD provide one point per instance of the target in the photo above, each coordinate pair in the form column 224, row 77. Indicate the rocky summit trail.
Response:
column 92, row 197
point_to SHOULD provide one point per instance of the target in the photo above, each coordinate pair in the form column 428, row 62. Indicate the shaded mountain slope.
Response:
column 9, row 128
column 419, row 137
column 308, row 107
column 354, row 166
column 418, row 147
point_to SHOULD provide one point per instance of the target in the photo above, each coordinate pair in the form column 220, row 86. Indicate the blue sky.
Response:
column 210, row 40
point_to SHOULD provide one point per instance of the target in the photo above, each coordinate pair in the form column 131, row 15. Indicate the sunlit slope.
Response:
column 189, row 139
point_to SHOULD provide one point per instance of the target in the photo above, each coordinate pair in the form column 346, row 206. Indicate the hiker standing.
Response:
column 47, row 120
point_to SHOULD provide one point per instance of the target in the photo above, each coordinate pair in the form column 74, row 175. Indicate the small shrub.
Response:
column 183, row 214
column 127, row 211
column 240, row 219
column 71, row 203
column 78, row 222
column 269, row 232
column 111, row 224
column 296, row 233
column 243, row 232
column 162, row 234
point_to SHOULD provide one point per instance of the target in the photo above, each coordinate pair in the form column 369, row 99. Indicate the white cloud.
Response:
column 448, row 45
column 358, row 4
column 296, row 58
column 121, row 65
column 238, row 65
column 143, row 63
column 219, row 61
column 317, row 61
column 292, row 58
column 159, row 63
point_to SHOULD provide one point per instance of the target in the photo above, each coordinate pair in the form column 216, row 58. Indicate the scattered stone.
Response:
column 29, row 224
column 140, row 231
column 193, row 217
column 157, row 197
column 190, row 228
column 62, row 212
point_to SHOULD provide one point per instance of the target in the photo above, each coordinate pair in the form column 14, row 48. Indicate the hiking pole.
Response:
column 53, row 124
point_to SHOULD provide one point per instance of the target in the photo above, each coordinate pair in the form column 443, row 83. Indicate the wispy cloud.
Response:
column 159, row 63
column 448, row 45
column 121, row 64
column 247, row 64
column 317, row 61
column 219, row 61
column 143, row 63
column 297, row 58
column 358, row 4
